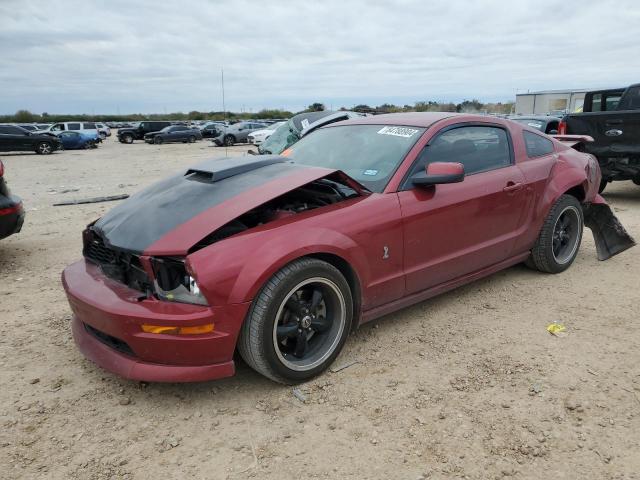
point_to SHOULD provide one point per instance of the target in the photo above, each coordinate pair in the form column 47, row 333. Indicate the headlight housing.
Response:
column 174, row 284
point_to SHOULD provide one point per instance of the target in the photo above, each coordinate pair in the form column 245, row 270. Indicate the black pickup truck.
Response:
column 612, row 118
column 128, row 135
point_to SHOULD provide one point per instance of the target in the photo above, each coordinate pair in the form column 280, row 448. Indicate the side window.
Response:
column 596, row 102
column 4, row 130
column 89, row 126
column 74, row 126
column 537, row 145
column 58, row 127
column 478, row 148
column 15, row 130
column 631, row 100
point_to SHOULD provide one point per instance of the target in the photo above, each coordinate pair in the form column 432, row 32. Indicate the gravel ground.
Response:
column 467, row 385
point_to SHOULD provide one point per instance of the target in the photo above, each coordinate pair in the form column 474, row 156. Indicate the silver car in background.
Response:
column 236, row 133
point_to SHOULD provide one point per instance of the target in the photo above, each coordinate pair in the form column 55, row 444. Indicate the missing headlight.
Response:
column 174, row 284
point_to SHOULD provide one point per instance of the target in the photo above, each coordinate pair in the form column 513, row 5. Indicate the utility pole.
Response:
column 224, row 108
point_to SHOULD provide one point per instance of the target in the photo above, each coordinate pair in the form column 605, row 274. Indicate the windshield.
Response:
column 368, row 153
column 284, row 136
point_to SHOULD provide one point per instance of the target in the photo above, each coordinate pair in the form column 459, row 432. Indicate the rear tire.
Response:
column 559, row 240
column 283, row 314
column 192, row 139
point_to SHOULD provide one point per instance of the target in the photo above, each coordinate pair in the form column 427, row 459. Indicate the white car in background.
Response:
column 259, row 136
column 103, row 130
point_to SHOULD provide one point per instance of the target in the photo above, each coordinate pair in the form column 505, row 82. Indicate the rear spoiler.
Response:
column 573, row 141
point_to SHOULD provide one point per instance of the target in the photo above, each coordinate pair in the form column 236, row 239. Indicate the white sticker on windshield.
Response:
column 398, row 131
column 304, row 123
column 370, row 172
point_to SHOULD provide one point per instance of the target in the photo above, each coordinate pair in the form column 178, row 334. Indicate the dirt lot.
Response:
column 468, row 385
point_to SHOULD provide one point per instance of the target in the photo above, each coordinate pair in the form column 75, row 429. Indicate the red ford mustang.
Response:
column 281, row 257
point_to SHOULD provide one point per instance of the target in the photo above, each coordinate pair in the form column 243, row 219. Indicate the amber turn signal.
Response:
column 171, row 330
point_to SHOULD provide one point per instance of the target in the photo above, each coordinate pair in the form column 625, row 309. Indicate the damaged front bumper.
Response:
column 609, row 235
column 107, row 328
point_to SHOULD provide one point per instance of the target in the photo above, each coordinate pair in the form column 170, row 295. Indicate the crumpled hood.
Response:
column 172, row 215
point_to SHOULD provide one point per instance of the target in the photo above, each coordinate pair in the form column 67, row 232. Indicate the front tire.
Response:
column 44, row 148
column 157, row 141
column 192, row 139
column 127, row 138
column 559, row 240
column 229, row 141
column 298, row 322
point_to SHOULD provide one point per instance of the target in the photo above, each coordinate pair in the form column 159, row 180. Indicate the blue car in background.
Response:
column 72, row 140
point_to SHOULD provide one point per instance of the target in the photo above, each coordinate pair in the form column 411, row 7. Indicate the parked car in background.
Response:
column 88, row 128
column 612, row 119
column 259, row 136
column 103, row 130
column 236, row 133
column 174, row 133
column 28, row 126
column 77, row 140
column 300, row 125
column 137, row 132
column 543, row 123
column 14, row 139
column 11, row 210
column 355, row 223
column 211, row 129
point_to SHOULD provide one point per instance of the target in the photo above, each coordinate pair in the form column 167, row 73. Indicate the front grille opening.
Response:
column 120, row 266
column 110, row 341
column 96, row 250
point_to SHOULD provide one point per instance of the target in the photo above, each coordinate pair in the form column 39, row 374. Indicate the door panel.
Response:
column 455, row 229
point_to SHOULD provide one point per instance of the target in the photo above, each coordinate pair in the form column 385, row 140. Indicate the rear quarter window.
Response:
column 537, row 145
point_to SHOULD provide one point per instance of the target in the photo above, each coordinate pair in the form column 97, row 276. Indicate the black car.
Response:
column 14, row 138
column 11, row 211
column 174, row 133
column 544, row 123
column 128, row 135
column 212, row 130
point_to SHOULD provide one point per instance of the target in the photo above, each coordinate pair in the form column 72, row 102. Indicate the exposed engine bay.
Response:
column 319, row 193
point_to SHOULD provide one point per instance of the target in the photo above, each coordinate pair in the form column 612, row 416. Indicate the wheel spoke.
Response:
column 294, row 306
column 320, row 324
column 316, row 298
column 289, row 330
column 301, row 344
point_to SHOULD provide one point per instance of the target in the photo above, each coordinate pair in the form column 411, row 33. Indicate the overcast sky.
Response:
column 163, row 56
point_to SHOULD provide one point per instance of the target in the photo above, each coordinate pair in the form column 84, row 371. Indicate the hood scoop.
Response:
column 212, row 171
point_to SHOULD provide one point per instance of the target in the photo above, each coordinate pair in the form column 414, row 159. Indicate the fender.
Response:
column 241, row 278
column 562, row 178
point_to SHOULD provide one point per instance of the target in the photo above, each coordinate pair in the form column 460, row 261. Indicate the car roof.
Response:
column 534, row 117
column 410, row 119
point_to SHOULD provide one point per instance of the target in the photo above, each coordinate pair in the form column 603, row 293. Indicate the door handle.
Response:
column 513, row 187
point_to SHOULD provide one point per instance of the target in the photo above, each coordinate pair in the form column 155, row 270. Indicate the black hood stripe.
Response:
column 147, row 216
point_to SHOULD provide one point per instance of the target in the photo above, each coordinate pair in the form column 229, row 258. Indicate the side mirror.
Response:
column 439, row 172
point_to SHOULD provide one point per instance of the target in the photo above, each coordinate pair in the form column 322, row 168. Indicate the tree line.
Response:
column 467, row 106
